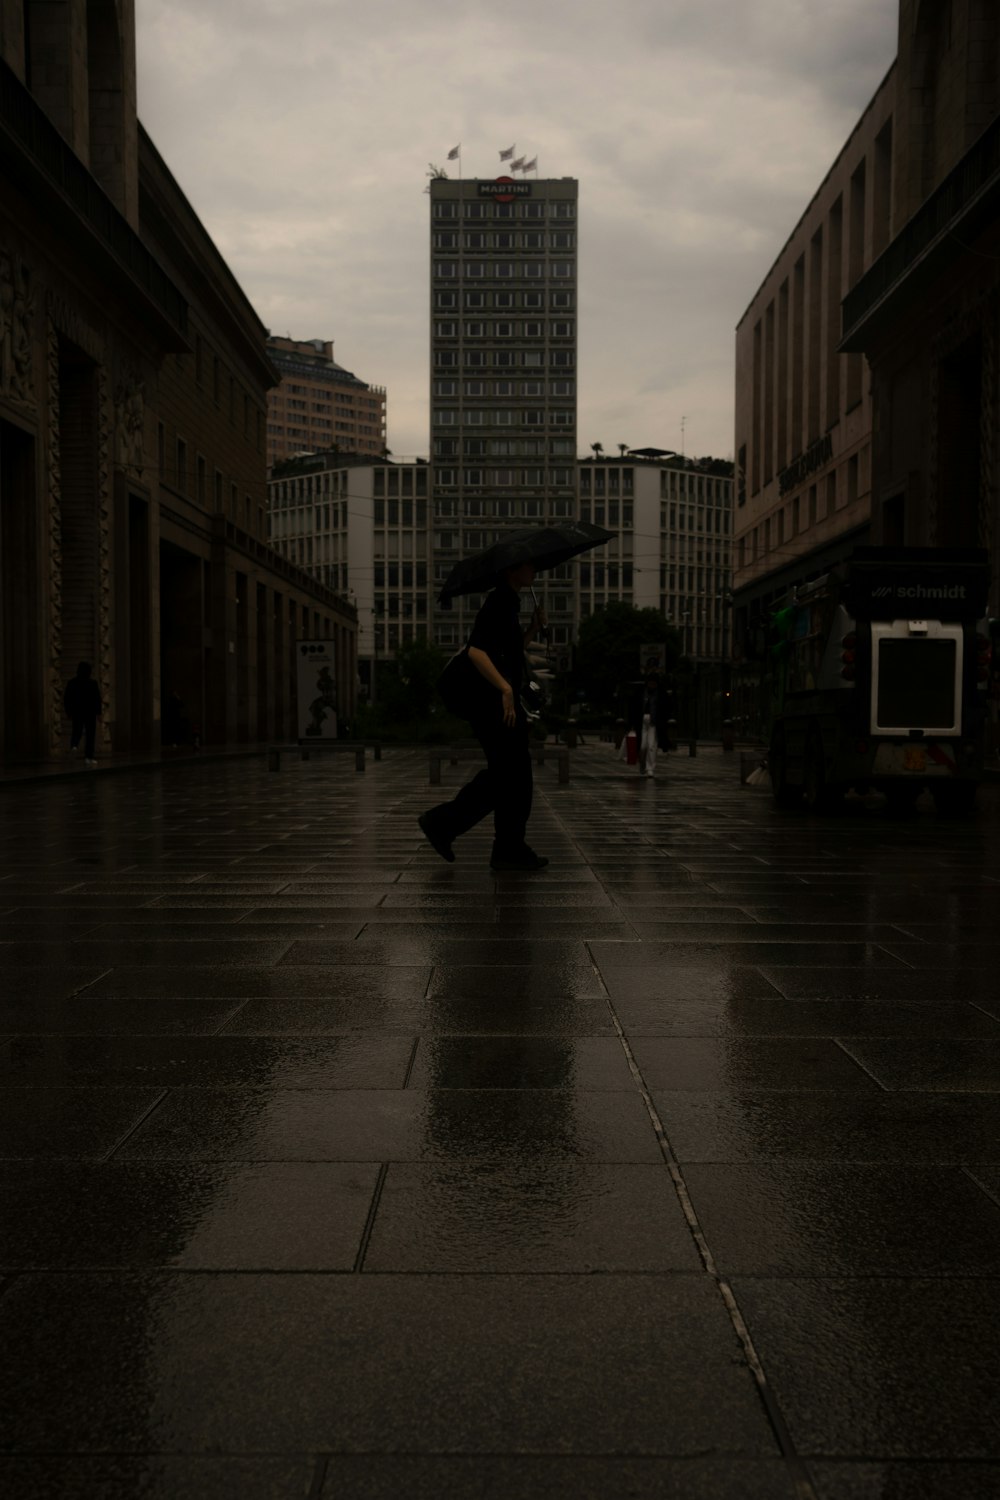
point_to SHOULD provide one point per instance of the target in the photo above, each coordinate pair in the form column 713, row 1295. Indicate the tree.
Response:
column 411, row 691
column 623, row 449
column 608, row 646
column 598, row 450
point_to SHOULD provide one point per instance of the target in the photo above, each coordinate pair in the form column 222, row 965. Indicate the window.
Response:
column 445, row 300
column 446, row 241
column 562, row 239
column 475, row 299
column 182, row 465
column 533, row 330
column 503, row 269
column 562, row 330
column 445, row 268
column 562, row 268
column 475, row 240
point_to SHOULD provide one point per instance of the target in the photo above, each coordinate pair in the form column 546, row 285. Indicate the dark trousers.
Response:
column 504, row 789
column 86, row 725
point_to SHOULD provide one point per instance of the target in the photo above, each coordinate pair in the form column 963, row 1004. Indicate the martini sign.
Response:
column 505, row 190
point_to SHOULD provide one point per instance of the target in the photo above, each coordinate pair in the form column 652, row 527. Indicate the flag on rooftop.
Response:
column 532, row 165
column 455, row 152
column 506, row 155
column 516, row 166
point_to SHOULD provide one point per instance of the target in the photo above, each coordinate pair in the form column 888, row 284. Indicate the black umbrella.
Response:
column 545, row 546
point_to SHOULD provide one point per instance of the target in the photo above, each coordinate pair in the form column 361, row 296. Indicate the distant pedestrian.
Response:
column 650, row 718
column 82, row 701
column 500, row 724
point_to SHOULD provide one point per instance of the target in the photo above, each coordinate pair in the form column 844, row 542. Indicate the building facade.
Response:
column 133, row 380
column 370, row 532
column 364, row 530
column 503, row 295
column 317, row 405
column 803, row 410
column 926, row 315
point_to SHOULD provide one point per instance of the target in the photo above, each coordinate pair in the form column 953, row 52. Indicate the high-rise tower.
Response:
column 503, row 372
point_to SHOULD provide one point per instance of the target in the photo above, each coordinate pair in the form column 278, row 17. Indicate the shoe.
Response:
column 438, row 844
column 521, row 859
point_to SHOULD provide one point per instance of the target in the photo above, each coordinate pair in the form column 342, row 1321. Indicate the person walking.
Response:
column 496, row 652
column 650, row 718
column 82, row 701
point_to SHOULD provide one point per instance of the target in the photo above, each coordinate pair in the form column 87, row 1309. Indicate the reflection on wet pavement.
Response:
column 328, row 1169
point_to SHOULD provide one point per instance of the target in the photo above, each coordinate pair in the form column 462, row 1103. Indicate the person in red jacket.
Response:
column 82, row 701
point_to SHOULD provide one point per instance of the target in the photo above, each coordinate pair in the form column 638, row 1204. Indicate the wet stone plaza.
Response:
column 333, row 1170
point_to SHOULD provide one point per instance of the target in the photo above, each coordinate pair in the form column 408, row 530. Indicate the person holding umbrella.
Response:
column 496, row 651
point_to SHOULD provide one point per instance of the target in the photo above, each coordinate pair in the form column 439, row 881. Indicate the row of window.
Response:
column 694, row 518
column 676, row 484
column 409, row 575
column 506, row 239
column 400, row 512
column 447, row 416
column 523, row 208
column 401, row 481
column 557, row 447
column 501, row 302
column 504, row 327
column 505, row 359
column 504, row 270
column 505, row 388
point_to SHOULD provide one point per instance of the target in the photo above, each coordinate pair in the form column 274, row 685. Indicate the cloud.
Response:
column 301, row 131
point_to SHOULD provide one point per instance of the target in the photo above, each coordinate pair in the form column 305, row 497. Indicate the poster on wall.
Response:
column 652, row 659
column 317, row 685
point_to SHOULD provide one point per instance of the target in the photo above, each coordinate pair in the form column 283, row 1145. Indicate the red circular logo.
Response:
column 504, row 197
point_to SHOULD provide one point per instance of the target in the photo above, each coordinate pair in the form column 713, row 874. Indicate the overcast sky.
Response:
column 302, row 131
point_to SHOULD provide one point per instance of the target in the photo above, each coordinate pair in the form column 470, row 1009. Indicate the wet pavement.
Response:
column 331, row 1170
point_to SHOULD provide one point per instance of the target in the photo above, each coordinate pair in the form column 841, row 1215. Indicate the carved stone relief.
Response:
column 17, row 311
column 130, row 417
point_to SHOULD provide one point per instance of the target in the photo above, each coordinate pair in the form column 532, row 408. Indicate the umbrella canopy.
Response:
column 545, row 546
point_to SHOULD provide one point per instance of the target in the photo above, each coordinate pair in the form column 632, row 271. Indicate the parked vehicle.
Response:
column 880, row 671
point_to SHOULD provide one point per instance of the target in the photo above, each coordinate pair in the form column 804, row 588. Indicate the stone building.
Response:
column 926, row 314
column 133, row 381
column 318, row 406
column 867, row 384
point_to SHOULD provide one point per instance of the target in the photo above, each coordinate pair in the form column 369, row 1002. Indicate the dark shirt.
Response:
column 82, row 699
column 498, row 632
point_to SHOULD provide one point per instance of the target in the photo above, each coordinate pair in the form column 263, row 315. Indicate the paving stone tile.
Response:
column 207, row 1061
column 555, row 1478
column 745, row 1063
column 941, row 1129
column 794, row 1218
column 412, row 1364
column 197, row 1216
column 953, row 987
column 74, row 1123
column 394, row 1125
column 949, row 1067
column 903, row 1368
column 768, row 1015
column 157, row 1478
column 662, row 982
column 858, row 1480
column 764, row 953
column 537, row 981
column 518, row 1062
column 359, row 981
column 538, row 1217
column 24, row 983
